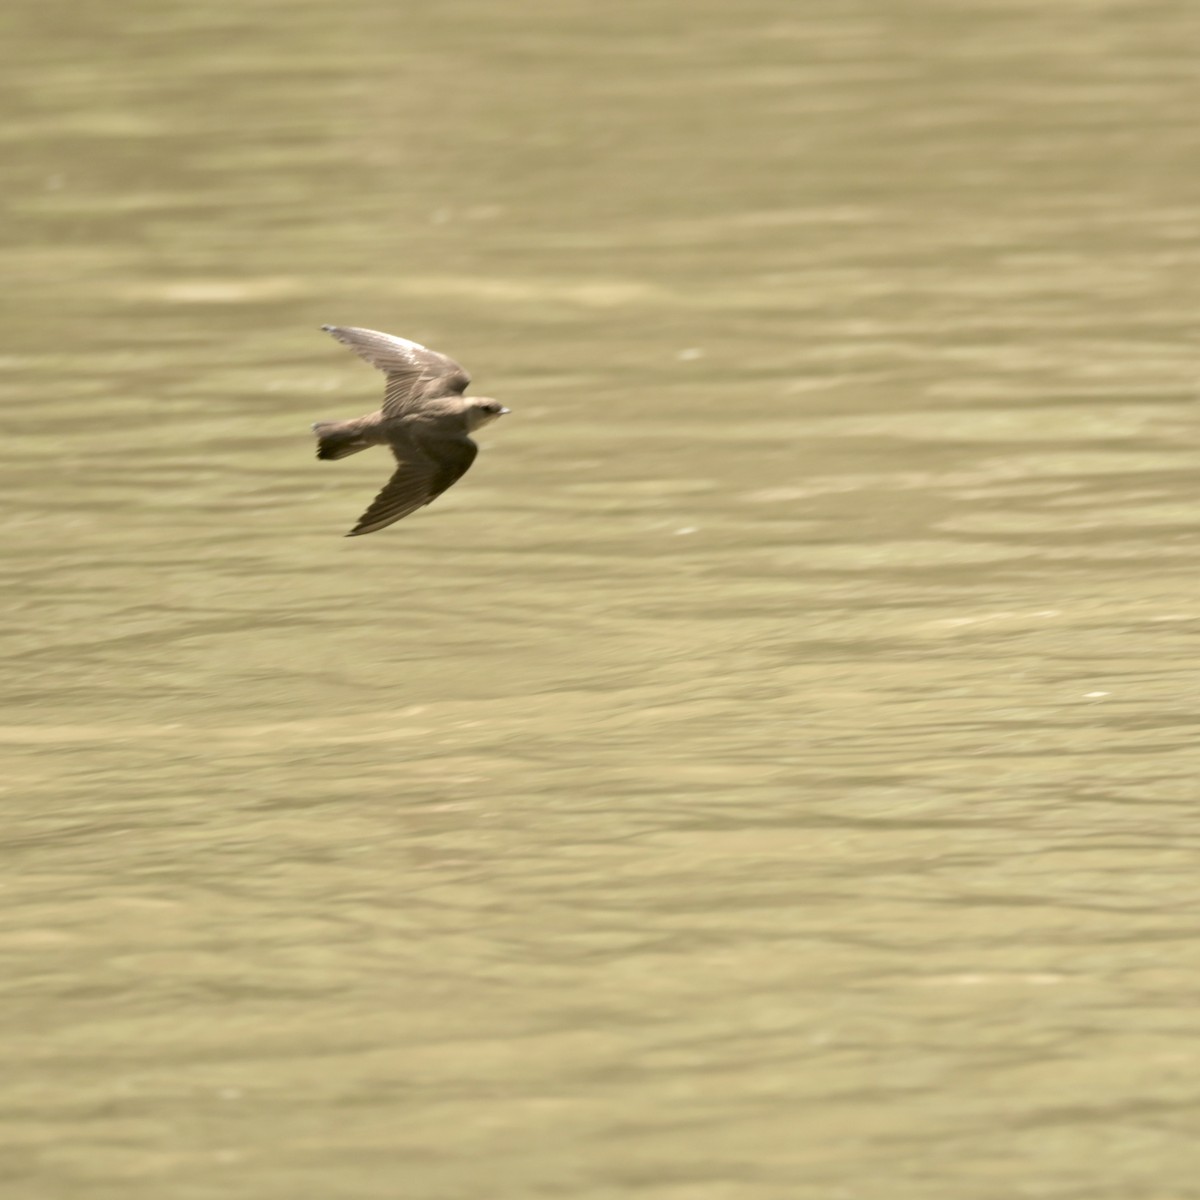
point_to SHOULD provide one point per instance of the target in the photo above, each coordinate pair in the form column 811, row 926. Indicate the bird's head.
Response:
column 480, row 410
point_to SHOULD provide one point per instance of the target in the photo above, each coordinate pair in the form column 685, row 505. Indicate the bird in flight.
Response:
column 425, row 420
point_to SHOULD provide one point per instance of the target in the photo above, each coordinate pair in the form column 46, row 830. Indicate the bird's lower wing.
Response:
column 422, row 476
column 407, row 490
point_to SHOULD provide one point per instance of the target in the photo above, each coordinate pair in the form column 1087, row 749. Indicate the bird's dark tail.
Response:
column 338, row 439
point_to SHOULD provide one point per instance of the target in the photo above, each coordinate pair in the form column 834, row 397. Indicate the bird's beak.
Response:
column 503, row 411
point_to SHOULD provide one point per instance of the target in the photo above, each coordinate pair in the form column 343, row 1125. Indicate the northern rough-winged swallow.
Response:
column 425, row 419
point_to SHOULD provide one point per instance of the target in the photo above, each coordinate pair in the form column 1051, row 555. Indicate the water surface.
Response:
column 771, row 772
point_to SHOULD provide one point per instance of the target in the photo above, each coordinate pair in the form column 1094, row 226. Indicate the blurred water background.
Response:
column 771, row 773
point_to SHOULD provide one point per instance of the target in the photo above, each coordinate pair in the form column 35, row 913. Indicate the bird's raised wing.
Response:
column 414, row 372
column 427, row 468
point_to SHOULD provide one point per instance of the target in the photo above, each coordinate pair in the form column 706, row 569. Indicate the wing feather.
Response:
column 426, row 470
column 404, row 493
column 414, row 372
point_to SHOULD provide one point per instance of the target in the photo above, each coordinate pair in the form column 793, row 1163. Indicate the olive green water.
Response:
column 772, row 772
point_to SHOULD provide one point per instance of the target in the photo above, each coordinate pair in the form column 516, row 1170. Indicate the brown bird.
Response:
column 425, row 419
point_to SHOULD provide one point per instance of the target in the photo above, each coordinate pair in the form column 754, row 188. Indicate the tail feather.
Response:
column 338, row 439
